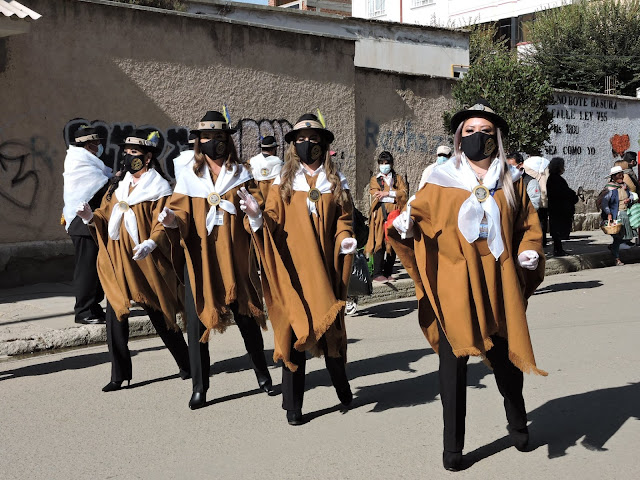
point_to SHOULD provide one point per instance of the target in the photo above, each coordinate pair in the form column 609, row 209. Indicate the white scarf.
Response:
column 472, row 210
column 150, row 187
column 322, row 183
column 192, row 185
column 265, row 168
column 388, row 178
column 84, row 174
column 181, row 161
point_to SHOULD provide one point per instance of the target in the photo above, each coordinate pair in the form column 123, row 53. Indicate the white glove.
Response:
column 84, row 212
column 168, row 218
column 403, row 223
column 142, row 250
column 348, row 246
column 529, row 259
column 248, row 204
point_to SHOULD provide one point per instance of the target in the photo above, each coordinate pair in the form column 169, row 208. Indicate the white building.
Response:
column 512, row 16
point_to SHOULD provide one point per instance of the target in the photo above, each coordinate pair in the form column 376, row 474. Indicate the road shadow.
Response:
column 388, row 310
column 591, row 418
column 563, row 287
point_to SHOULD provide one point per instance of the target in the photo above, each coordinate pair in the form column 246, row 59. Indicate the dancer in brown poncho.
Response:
column 122, row 227
column 305, row 243
column 478, row 257
column 266, row 166
column 204, row 217
column 388, row 192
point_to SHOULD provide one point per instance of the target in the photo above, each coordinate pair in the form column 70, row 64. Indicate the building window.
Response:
column 420, row 3
column 375, row 8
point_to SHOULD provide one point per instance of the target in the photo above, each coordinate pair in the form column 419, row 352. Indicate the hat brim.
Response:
column 230, row 131
column 494, row 118
column 148, row 147
column 291, row 135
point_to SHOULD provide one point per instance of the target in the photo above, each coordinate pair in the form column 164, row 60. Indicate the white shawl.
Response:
column 472, row 210
column 84, row 174
column 193, row 186
column 322, row 183
column 265, row 168
column 150, row 187
column 181, row 161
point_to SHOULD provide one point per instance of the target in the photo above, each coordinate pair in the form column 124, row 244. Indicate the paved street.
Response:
column 56, row 423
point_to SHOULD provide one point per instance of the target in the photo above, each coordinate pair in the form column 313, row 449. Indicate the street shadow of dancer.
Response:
column 594, row 417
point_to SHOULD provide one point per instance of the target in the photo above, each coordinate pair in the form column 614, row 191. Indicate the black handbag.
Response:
column 360, row 282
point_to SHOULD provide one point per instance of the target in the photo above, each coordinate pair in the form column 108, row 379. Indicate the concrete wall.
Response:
column 401, row 114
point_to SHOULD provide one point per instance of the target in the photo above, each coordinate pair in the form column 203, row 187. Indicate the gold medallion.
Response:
column 264, row 172
column 124, row 206
column 136, row 164
column 214, row 199
column 489, row 147
column 314, row 195
column 481, row 193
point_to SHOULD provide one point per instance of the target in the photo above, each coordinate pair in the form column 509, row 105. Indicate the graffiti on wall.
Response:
column 21, row 165
column 405, row 139
column 174, row 140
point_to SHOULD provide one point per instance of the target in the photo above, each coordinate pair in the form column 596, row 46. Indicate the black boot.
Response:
column 114, row 386
column 452, row 461
column 294, row 417
column 263, row 376
column 198, row 400
column 520, row 437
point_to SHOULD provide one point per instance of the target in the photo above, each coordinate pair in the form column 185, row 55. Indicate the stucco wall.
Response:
column 126, row 66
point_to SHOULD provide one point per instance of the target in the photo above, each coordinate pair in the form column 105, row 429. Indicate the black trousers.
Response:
column 382, row 265
column 543, row 215
column 199, row 358
column 293, row 382
column 86, row 285
column 453, row 389
column 118, row 340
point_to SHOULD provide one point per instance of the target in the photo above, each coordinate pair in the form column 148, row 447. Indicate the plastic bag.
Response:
column 360, row 282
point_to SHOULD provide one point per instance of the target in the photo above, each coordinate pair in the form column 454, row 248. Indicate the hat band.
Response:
column 482, row 108
column 213, row 125
column 139, row 141
column 308, row 124
column 271, row 145
column 88, row 138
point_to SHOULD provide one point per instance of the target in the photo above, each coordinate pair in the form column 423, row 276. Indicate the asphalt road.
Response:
column 56, row 423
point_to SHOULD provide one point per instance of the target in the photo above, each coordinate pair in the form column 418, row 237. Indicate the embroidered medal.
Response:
column 214, row 199
column 314, row 195
column 136, row 164
column 489, row 147
column 316, row 152
column 221, row 148
column 481, row 193
column 124, row 206
column 264, row 172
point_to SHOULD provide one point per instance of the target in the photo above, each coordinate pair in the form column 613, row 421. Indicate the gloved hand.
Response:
column 348, row 246
column 248, row 204
column 403, row 223
column 142, row 250
column 84, row 212
column 167, row 218
column 529, row 259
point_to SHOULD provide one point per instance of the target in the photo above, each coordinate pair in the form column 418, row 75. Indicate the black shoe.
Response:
column 520, row 437
column 113, row 386
column 345, row 396
column 259, row 364
column 184, row 374
column 91, row 320
column 267, row 387
column 452, row 461
column 294, row 417
column 198, row 399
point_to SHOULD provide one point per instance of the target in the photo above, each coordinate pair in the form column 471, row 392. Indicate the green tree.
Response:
column 578, row 45
column 518, row 91
column 166, row 4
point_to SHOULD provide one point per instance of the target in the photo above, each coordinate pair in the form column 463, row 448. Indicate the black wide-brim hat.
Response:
column 84, row 134
column 146, row 138
column 269, row 142
column 213, row 122
column 483, row 110
column 309, row 120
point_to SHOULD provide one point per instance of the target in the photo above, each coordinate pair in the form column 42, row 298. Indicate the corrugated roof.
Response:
column 13, row 8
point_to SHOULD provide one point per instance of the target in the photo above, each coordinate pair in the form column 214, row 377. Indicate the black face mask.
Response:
column 479, row 146
column 133, row 163
column 214, row 148
column 309, row 152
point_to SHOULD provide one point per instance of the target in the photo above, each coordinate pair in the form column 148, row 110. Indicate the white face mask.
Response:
column 385, row 169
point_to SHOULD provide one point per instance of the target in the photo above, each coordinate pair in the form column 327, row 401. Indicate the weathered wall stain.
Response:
column 402, row 139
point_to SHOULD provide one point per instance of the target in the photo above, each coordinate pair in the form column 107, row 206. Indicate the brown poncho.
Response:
column 218, row 263
column 377, row 215
column 461, row 285
column 304, row 277
column 150, row 281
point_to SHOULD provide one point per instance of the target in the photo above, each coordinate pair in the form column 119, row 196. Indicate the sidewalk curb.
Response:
column 141, row 326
